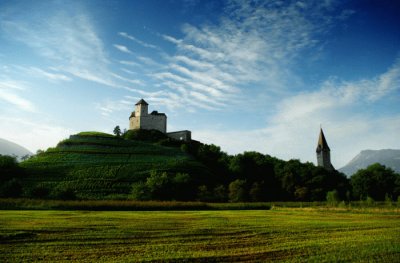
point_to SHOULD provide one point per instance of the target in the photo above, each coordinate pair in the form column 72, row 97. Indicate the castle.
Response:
column 140, row 119
column 324, row 153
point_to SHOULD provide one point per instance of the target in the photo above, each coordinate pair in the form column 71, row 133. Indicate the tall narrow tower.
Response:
column 141, row 108
column 323, row 152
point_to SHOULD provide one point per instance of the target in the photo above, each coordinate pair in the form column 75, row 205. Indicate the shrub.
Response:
column 256, row 192
column 388, row 200
column 220, row 193
column 145, row 135
column 332, row 197
column 203, row 194
column 237, row 191
column 11, row 188
column 140, row 192
column 370, row 201
column 40, row 191
column 63, row 192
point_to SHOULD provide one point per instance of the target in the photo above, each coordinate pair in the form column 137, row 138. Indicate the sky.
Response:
column 244, row 75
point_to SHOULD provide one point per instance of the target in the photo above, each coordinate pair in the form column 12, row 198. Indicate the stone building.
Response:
column 324, row 153
column 141, row 119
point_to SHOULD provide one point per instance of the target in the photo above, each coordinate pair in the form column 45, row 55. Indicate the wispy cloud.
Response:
column 50, row 76
column 65, row 37
column 9, row 93
column 123, row 49
column 140, row 42
column 16, row 100
column 255, row 43
column 292, row 131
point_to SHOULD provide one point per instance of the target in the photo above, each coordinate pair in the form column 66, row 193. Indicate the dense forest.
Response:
column 246, row 177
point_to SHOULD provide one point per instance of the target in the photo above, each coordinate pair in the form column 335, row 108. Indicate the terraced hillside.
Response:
column 97, row 165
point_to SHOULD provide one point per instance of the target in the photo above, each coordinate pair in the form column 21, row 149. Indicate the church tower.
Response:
column 323, row 152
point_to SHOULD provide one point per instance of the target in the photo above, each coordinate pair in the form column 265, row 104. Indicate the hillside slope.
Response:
column 10, row 148
column 387, row 157
column 99, row 166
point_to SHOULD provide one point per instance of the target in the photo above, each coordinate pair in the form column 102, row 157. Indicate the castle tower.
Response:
column 140, row 119
column 323, row 152
column 141, row 108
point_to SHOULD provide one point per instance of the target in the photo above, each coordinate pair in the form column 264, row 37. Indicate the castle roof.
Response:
column 157, row 113
column 142, row 102
column 322, row 144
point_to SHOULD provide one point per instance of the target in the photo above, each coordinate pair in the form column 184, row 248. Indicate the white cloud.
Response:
column 140, row 42
column 32, row 135
column 123, row 49
column 65, row 37
column 16, row 100
column 9, row 90
column 129, row 63
column 254, row 44
column 50, row 76
column 292, row 131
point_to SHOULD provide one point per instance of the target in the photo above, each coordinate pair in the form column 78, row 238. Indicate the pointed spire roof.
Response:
column 142, row 102
column 322, row 144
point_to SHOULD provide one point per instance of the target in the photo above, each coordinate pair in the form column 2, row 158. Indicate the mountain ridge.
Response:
column 387, row 157
column 11, row 148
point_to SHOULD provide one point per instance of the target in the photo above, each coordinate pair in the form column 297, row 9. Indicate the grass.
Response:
column 97, row 165
column 123, row 205
column 280, row 234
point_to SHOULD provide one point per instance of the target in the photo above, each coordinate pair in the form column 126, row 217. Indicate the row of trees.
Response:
column 250, row 176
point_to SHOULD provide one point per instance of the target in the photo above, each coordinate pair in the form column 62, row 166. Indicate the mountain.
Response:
column 387, row 157
column 10, row 148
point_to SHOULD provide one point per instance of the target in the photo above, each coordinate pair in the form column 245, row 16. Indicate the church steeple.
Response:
column 323, row 152
column 322, row 144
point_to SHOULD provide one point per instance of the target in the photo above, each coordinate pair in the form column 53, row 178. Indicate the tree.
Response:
column 256, row 192
column 11, row 188
column 117, row 131
column 237, row 191
column 375, row 181
column 220, row 193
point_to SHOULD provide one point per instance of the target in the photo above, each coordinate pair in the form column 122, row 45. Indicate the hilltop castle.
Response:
column 324, row 153
column 140, row 119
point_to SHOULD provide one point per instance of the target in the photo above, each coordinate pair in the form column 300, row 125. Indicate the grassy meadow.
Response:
column 280, row 234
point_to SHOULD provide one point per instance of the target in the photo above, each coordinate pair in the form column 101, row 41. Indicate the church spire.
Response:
column 322, row 144
column 323, row 152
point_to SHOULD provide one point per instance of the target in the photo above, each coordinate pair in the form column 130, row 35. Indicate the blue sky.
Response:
column 245, row 75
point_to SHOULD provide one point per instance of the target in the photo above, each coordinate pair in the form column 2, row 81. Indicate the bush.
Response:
column 63, row 193
column 220, row 193
column 237, row 191
column 203, row 194
column 256, row 192
column 145, row 135
column 11, row 188
column 332, row 197
column 140, row 192
column 370, row 201
column 7, row 161
column 40, row 191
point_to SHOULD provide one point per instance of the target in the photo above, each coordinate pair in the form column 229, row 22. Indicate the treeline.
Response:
column 246, row 177
column 255, row 177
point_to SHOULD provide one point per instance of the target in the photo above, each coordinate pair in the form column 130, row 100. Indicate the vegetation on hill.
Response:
column 147, row 165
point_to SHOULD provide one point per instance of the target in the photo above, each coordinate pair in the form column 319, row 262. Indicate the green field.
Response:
column 280, row 234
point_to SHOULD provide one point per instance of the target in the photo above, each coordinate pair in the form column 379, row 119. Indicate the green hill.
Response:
column 96, row 165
